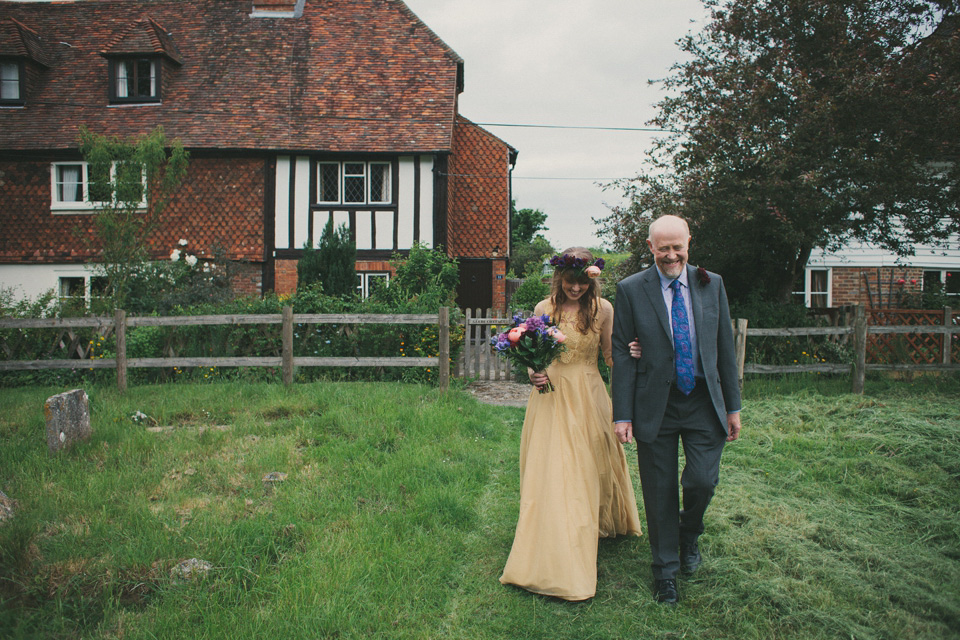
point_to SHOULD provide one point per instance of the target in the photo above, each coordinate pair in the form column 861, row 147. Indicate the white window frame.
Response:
column 320, row 166
column 387, row 186
column 63, row 295
column 365, row 278
column 121, row 90
column 84, row 205
column 343, row 176
column 8, row 80
column 808, row 293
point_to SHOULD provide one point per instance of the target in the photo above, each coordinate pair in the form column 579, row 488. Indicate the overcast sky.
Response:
column 565, row 62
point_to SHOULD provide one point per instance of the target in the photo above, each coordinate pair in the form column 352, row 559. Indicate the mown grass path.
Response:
column 837, row 516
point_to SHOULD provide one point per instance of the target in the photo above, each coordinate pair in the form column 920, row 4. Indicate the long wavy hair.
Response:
column 586, row 314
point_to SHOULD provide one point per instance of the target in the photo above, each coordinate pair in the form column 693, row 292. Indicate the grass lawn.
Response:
column 836, row 517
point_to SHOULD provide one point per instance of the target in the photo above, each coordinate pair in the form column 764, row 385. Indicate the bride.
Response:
column 574, row 483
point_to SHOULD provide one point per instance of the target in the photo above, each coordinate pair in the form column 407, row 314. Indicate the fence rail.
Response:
column 286, row 361
column 477, row 359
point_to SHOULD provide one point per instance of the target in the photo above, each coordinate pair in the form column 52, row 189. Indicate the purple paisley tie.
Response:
column 681, row 341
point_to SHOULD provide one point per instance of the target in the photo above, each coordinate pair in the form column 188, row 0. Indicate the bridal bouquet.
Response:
column 531, row 342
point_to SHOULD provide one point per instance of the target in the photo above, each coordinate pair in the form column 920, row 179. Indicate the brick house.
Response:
column 294, row 113
column 870, row 276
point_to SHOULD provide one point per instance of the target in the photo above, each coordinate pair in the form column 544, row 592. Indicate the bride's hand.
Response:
column 539, row 379
column 635, row 350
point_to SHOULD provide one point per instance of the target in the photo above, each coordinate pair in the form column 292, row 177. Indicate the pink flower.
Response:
column 559, row 337
column 901, row 281
column 515, row 334
column 593, row 271
column 913, row 282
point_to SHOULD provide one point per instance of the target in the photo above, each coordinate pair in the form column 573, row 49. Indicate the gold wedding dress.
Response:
column 574, row 483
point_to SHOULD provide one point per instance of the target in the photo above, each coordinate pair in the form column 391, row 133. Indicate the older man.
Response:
column 684, row 388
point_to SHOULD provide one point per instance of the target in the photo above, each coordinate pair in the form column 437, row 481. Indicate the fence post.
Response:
column 466, row 342
column 287, row 345
column 740, row 344
column 443, row 333
column 859, row 368
column 947, row 336
column 120, row 331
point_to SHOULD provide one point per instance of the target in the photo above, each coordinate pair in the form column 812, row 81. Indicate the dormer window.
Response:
column 135, row 79
column 11, row 93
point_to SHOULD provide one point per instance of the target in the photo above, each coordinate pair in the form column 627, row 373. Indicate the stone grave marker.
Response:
column 68, row 419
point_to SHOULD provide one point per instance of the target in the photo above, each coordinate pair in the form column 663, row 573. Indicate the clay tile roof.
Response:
column 143, row 36
column 20, row 41
column 347, row 76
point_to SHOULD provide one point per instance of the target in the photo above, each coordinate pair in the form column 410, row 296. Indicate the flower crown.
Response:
column 579, row 266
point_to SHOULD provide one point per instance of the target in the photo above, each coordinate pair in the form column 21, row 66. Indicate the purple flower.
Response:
column 702, row 276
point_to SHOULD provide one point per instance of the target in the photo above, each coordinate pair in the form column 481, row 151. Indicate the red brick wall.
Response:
column 850, row 287
column 499, row 302
column 246, row 279
column 285, row 277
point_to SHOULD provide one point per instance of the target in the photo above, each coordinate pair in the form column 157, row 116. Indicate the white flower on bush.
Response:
column 191, row 260
column 174, row 255
column 182, row 242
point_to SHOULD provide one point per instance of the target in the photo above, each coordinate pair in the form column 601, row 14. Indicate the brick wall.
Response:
column 850, row 286
column 246, row 278
column 285, row 277
column 499, row 302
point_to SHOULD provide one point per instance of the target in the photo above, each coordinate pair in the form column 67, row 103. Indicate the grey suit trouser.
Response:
column 693, row 421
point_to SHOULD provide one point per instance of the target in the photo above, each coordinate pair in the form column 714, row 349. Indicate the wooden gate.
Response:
column 477, row 359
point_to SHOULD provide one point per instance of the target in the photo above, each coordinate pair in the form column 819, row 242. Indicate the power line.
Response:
column 494, row 176
column 562, row 126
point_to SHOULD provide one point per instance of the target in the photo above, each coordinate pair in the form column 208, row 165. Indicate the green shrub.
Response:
column 531, row 291
column 332, row 265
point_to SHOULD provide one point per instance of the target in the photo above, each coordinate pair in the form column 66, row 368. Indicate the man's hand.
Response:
column 733, row 426
column 624, row 431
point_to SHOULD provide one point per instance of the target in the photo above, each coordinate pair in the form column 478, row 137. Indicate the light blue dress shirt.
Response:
column 667, row 292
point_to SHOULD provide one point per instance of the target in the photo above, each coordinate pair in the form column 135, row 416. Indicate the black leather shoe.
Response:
column 665, row 591
column 690, row 557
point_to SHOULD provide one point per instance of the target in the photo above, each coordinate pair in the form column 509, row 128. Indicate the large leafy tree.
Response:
column 800, row 124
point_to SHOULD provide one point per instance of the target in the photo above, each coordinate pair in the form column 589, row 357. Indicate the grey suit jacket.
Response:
column 641, row 387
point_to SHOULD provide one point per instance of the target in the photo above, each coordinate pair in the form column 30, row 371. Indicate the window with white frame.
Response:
column 817, row 288
column 135, row 80
column 353, row 183
column 74, row 288
column 10, row 90
column 370, row 281
column 78, row 186
column 942, row 279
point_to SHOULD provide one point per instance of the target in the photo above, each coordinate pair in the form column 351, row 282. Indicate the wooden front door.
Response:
column 475, row 290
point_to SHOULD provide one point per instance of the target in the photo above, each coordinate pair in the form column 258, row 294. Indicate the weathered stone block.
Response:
column 68, row 419
column 6, row 507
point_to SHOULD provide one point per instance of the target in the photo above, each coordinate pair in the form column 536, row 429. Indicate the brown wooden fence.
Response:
column 928, row 339
column 285, row 360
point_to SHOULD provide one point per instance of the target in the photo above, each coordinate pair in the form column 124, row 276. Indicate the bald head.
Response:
column 668, row 224
column 669, row 242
